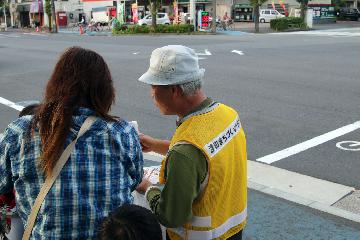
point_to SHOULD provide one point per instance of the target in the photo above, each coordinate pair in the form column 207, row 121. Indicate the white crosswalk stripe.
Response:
column 344, row 32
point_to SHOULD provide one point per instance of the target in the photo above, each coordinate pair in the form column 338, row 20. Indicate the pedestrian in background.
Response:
column 204, row 174
column 104, row 166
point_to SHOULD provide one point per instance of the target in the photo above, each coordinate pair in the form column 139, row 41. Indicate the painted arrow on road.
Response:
column 238, row 52
column 205, row 53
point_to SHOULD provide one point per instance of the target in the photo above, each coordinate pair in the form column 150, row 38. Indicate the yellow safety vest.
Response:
column 221, row 209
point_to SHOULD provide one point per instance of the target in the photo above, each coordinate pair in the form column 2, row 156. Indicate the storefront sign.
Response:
column 322, row 11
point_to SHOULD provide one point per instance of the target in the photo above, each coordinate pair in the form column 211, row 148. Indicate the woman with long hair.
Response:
column 102, row 170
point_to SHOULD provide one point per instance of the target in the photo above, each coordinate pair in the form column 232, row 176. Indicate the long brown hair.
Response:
column 81, row 78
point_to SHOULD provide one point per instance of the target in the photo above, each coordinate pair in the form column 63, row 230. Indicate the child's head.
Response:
column 130, row 222
column 29, row 110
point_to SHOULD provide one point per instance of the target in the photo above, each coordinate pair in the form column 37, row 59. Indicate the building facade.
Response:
column 26, row 13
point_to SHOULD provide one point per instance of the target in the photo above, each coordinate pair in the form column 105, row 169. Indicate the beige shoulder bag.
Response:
column 49, row 181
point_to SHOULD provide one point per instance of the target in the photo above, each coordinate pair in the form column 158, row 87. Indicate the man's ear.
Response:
column 177, row 91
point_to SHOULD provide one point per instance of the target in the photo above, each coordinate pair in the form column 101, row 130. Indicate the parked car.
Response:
column 268, row 14
column 161, row 18
column 349, row 13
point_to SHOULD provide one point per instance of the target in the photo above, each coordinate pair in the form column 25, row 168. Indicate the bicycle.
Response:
column 230, row 25
column 75, row 27
column 225, row 25
column 72, row 27
column 95, row 27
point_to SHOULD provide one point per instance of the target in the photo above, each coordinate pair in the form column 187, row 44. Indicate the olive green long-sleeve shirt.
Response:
column 186, row 168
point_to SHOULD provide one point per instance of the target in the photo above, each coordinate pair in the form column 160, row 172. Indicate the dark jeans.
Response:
column 237, row 236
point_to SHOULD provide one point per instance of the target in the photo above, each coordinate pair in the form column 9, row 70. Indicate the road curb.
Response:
column 257, row 181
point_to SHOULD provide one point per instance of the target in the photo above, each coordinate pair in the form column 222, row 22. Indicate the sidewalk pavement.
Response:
column 273, row 218
column 240, row 28
column 249, row 27
column 277, row 219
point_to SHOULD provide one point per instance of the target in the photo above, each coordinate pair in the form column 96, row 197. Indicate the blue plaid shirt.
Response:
column 101, row 173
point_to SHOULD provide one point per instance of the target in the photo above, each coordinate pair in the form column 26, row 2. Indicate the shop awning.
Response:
column 36, row 7
column 23, row 8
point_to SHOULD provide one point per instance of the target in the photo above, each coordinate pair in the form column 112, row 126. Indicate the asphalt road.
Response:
column 288, row 88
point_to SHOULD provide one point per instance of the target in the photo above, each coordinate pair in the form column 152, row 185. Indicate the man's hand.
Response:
column 147, row 142
column 143, row 186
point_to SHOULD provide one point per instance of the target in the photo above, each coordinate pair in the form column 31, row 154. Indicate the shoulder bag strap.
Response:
column 49, row 181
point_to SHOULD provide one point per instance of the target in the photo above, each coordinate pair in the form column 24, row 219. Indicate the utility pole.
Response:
column 53, row 17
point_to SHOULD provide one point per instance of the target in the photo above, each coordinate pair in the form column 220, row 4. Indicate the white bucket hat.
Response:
column 172, row 65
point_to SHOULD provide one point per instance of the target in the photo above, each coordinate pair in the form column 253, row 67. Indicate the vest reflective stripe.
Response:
column 216, row 144
column 201, row 221
column 214, row 233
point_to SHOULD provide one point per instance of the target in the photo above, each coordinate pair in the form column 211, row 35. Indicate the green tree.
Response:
column 256, row 6
column 338, row 4
column 213, row 13
column 303, row 7
column 3, row 4
column 4, row 9
column 54, row 27
column 48, row 12
column 153, row 5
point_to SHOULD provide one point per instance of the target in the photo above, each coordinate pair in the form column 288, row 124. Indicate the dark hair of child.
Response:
column 130, row 222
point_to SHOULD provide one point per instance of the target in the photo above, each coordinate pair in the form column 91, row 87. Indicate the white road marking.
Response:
column 11, row 104
column 349, row 145
column 10, row 36
column 309, row 143
column 322, row 33
column 238, row 52
column 36, row 34
column 135, row 53
column 205, row 53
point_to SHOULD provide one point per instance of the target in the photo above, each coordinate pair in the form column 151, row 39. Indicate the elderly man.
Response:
column 203, row 190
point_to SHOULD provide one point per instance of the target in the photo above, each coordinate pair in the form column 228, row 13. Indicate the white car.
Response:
column 268, row 14
column 161, row 18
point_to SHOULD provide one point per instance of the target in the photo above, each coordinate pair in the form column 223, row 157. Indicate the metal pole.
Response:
column 39, row 13
column 192, row 13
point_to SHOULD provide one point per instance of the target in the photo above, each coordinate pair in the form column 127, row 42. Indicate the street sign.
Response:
column 203, row 19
